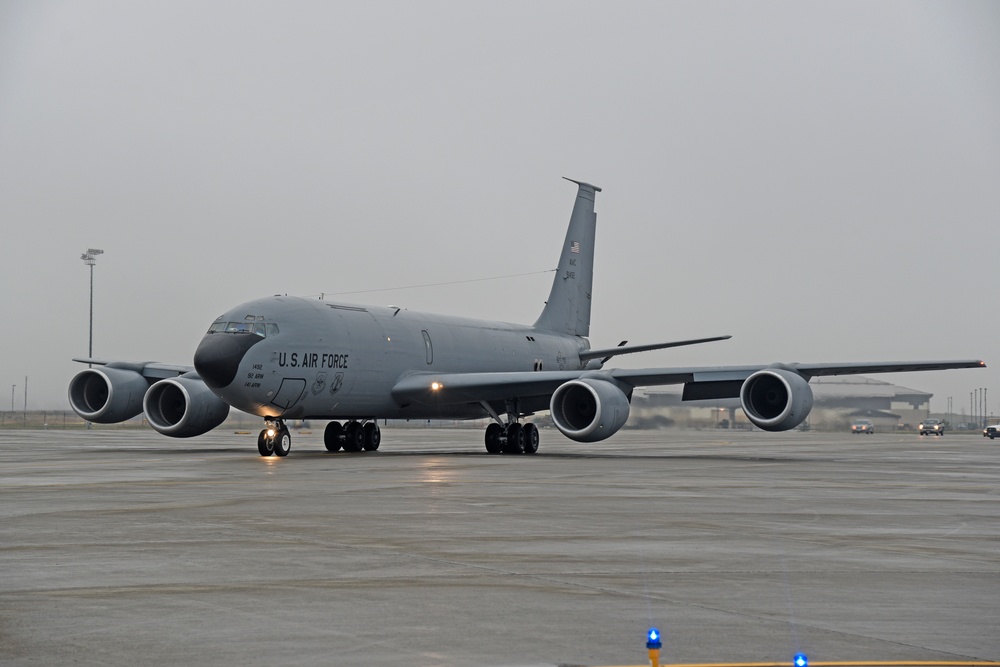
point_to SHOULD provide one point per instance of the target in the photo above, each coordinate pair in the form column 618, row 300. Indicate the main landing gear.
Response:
column 353, row 436
column 513, row 438
column 274, row 439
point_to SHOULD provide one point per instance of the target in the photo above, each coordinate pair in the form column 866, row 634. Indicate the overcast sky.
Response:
column 821, row 181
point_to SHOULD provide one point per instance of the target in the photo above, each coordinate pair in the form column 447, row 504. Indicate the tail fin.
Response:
column 568, row 307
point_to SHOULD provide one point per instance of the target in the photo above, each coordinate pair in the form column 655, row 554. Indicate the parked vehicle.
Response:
column 931, row 427
column 862, row 426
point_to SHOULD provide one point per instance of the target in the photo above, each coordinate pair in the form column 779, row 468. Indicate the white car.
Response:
column 862, row 426
column 931, row 427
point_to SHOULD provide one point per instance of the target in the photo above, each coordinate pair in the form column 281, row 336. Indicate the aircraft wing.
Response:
column 153, row 370
column 701, row 381
column 658, row 376
column 452, row 388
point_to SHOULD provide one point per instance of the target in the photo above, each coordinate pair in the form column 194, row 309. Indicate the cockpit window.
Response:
column 240, row 327
column 262, row 329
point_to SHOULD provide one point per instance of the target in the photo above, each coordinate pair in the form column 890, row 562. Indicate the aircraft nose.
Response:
column 219, row 355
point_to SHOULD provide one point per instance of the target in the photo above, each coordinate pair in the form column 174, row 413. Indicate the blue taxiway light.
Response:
column 800, row 660
column 653, row 639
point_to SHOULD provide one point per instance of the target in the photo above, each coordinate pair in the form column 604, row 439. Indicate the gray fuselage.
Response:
column 326, row 360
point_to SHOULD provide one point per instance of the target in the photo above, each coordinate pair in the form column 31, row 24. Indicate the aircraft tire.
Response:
column 264, row 446
column 332, row 435
column 515, row 439
column 530, row 438
column 373, row 436
column 355, row 437
column 282, row 442
column 493, row 444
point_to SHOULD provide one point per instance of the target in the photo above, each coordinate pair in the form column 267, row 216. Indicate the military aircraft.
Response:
column 285, row 358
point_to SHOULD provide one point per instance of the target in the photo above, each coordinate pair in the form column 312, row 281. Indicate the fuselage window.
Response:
column 428, row 347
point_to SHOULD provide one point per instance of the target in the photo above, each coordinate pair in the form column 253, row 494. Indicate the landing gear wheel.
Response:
column 332, row 435
column 282, row 442
column 493, row 444
column 354, row 440
column 530, row 438
column 264, row 444
column 515, row 439
column 373, row 436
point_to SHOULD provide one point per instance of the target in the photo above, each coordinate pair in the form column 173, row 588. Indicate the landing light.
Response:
column 270, row 432
column 436, row 385
column 800, row 660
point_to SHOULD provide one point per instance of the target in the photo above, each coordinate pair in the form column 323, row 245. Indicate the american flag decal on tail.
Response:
column 575, row 247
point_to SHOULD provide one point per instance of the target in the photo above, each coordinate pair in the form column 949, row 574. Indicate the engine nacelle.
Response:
column 107, row 395
column 183, row 407
column 589, row 409
column 776, row 399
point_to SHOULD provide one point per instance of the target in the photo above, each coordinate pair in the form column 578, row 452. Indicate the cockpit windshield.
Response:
column 252, row 325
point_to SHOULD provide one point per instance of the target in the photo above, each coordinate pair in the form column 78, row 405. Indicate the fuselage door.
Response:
column 289, row 393
column 428, row 346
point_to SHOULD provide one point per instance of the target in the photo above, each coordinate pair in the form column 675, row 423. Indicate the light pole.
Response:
column 90, row 258
column 12, row 388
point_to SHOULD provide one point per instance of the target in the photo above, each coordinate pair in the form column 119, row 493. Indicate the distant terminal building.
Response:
column 837, row 402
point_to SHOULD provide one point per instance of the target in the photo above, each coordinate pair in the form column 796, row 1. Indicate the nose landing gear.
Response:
column 274, row 439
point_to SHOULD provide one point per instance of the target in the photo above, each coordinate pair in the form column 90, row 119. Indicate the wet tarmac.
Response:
column 123, row 547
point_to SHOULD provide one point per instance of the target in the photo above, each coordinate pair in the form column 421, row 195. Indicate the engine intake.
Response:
column 107, row 395
column 776, row 399
column 589, row 409
column 183, row 407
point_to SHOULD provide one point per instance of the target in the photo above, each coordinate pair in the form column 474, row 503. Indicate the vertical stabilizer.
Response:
column 568, row 307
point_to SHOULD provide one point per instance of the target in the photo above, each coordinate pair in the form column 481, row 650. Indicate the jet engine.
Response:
column 589, row 409
column 776, row 399
column 107, row 394
column 183, row 407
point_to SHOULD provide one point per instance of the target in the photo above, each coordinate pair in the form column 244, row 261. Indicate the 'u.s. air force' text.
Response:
column 312, row 360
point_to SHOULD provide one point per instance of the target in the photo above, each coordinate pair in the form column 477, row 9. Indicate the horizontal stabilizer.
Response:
column 609, row 352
